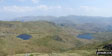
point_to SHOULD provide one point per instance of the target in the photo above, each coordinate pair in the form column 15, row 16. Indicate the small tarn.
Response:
column 25, row 36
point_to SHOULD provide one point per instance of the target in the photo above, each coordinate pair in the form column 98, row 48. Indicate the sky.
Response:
column 18, row 8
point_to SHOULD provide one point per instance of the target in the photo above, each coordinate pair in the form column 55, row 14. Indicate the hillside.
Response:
column 70, row 34
column 46, row 37
column 84, row 23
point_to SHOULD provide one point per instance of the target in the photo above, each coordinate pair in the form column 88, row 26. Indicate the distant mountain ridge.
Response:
column 67, row 19
column 86, row 23
column 33, row 18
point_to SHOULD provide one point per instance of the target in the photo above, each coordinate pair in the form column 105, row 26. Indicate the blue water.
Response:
column 85, row 36
column 24, row 36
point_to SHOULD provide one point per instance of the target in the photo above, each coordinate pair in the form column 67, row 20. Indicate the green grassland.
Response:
column 47, row 39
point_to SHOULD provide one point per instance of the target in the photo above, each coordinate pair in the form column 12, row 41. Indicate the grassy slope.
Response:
column 46, row 37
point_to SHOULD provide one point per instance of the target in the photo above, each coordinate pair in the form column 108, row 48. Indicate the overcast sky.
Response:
column 17, row 8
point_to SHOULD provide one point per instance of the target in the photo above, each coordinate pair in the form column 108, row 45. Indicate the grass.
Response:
column 42, row 41
column 69, row 53
column 46, row 38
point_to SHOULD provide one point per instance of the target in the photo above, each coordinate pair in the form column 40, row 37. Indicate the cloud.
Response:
column 94, row 11
column 24, row 9
column 55, row 10
column 89, row 8
column 22, row 0
column 17, row 9
column 35, row 1
column 43, row 7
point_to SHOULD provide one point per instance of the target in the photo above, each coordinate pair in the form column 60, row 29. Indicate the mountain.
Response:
column 85, row 23
column 73, row 18
column 33, row 18
column 46, row 37
column 54, row 34
column 100, row 27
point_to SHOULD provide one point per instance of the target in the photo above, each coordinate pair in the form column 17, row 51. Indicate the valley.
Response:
column 68, row 36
